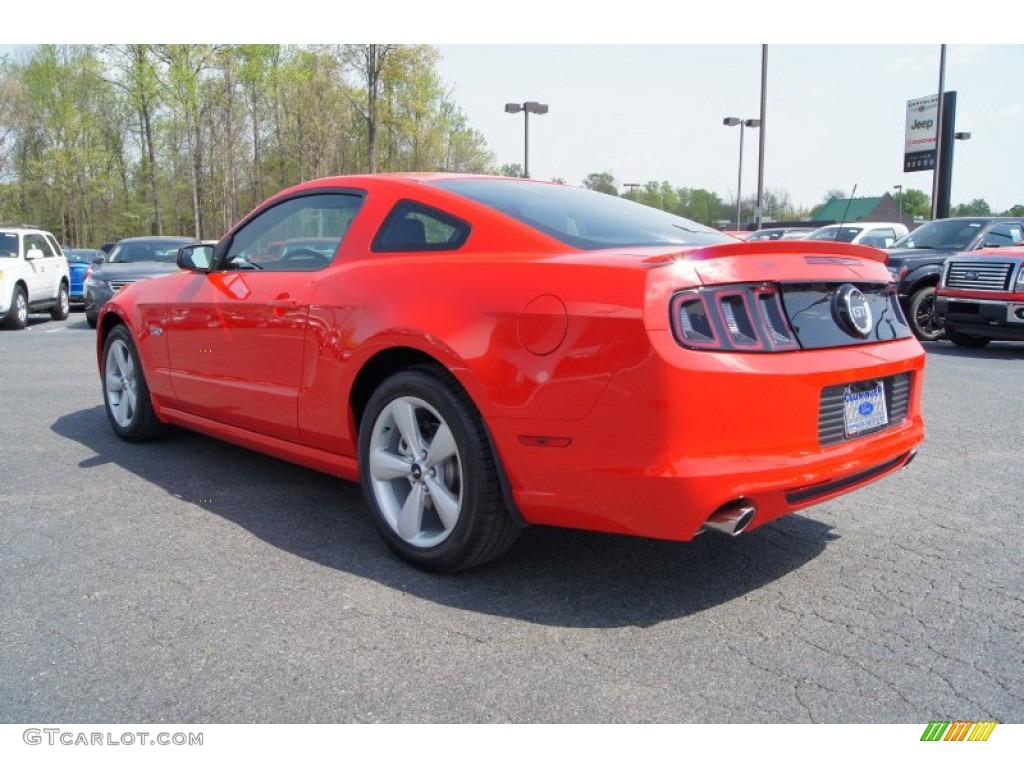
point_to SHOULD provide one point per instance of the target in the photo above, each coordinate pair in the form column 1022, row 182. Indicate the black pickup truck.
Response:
column 916, row 261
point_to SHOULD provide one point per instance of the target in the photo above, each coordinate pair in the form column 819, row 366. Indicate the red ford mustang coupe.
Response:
column 488, row 353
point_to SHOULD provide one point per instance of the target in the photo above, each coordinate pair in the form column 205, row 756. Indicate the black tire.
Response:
column 423, row 450
column 17, row 317
column 62, row 308
column 91, row 321
column 126, row 398
column 924, row 323
column 967, row 340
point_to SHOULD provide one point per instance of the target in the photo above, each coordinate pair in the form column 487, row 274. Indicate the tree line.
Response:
column 100, row 142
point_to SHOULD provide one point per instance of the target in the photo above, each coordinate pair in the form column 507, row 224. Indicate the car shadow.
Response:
column 995, row 350
column 551, row 576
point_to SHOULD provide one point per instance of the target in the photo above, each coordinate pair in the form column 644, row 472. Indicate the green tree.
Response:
column 915, row 204
column 1017, row 210
column 601, row 182
column 512, row 169
column 977, row 207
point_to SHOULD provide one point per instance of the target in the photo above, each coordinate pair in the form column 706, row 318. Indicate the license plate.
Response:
column 864, row 408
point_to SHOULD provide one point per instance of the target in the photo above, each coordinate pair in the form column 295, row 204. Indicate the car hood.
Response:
column 134, row 270
column 912, row 255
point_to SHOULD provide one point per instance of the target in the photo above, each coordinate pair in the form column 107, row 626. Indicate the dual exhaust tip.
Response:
column 731, row 518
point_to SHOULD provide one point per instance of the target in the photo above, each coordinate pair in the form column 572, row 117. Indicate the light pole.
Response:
column 899, row 188
column 526, row 108
column 748, row 123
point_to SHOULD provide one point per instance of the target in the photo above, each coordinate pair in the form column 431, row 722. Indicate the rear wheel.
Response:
column 125, row 393
column 966, row 339
column 62, row 308
column 925, row 324
column 429, row 474
column 17, row 318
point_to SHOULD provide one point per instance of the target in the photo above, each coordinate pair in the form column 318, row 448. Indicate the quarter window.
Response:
column 414, row 227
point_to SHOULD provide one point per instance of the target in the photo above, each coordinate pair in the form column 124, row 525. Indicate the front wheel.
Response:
column 925, row 324
column 17, row 318
column 62, row 308
column 125, row 393
column 429, row 474
column 967, row 340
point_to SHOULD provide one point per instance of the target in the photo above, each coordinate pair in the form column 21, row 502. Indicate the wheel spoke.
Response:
column 410, row 520
column 442, row 447
column 130, row 397
column 113, row 383
column 445, row 503
column 385, row 465
column 123, row 412
column 404, row 414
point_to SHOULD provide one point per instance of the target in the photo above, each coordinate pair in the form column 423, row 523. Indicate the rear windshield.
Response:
column 582, row 218
column 839, row 234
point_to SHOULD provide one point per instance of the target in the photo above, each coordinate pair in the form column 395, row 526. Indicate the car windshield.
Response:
column 582, row 218
column 145, row 250
column 839, row 234
column 946, row 234
column 8, row 245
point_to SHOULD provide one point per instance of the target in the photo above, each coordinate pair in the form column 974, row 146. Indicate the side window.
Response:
column 1003, row 234
column 880, row 238
column 38, row 241
column 414, row 227
column 301, row 234
column 53, row 244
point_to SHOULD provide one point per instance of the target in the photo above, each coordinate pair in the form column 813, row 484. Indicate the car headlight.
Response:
column 1020, row 278
column 93, row 282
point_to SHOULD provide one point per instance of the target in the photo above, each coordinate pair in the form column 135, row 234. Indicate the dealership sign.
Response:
column 922, row 129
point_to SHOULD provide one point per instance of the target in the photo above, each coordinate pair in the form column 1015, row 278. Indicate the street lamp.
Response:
column 748, row 123
column 526, row 108
column 899, row 188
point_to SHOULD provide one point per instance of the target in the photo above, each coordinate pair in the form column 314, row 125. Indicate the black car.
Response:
column 131, row 260
column 916, row 261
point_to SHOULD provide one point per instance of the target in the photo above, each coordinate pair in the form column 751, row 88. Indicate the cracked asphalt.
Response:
column 193, row 581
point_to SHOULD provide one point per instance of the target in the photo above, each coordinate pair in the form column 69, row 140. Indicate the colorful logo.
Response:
column 958, row 730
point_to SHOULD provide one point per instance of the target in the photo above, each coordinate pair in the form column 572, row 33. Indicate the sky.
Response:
column 639, row 89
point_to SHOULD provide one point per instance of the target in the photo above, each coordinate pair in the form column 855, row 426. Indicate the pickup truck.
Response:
column 981, row 297
column 916, row 260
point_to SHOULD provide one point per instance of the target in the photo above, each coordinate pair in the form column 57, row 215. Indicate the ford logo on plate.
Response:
column 866, row 409
column 852, row 311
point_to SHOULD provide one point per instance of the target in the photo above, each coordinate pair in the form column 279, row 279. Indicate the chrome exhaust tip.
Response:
column 732, row 518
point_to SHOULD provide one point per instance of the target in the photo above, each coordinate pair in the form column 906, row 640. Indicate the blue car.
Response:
column 80, row 262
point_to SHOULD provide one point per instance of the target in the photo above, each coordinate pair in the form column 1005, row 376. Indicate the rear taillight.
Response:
column 732, row 318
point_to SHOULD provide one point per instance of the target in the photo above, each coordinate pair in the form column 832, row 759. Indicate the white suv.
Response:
column 33, row 276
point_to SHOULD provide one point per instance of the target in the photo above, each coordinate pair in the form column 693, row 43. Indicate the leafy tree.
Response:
column 1017, row 210
column 916, row 204
column 977, row 207
column 512, row 169
column 601, row 182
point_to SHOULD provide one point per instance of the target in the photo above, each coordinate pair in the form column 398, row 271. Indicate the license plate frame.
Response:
column 864, row 408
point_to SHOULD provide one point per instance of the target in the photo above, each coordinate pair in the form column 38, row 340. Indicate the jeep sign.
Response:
column 922, row 121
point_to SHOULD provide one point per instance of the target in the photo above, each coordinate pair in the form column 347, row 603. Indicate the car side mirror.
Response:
column 96, row 260
column 197, row 258
column 33, row 253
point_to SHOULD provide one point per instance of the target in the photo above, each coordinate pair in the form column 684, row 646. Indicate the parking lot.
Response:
column 192, row 581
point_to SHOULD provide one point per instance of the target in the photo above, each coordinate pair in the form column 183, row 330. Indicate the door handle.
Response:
column 284, row 303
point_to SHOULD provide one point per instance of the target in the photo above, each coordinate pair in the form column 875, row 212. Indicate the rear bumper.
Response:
column 669, row 444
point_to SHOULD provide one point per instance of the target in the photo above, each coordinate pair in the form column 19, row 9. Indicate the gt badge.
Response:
column 852, row 311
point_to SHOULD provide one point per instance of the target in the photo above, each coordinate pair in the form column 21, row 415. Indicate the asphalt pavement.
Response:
column 191, row 581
